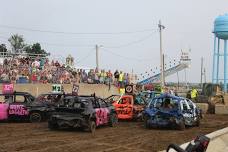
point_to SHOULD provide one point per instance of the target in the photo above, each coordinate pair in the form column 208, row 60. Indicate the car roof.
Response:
column 166, row 95
column 149, row 91
column 126, row 95
column 70, row 97
column 16, row 93
column 52, row 93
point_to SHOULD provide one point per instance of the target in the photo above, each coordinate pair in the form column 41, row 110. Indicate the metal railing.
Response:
column 31, row 55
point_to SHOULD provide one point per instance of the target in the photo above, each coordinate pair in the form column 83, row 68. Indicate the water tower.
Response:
column 220, row 34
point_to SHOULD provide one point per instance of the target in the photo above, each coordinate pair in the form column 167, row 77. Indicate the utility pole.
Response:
column 161, row 27
column 204, row 72
column 97, row 58
column 201, row 74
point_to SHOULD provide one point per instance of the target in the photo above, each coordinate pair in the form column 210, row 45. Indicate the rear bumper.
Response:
column 68, row 121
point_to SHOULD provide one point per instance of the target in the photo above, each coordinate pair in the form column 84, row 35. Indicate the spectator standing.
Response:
column 109, row 79
column 121, row 78
column 96, row 77
column 116, row 75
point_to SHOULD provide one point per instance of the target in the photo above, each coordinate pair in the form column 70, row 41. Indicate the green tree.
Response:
column 35, row 49
column 3, row 49
column 17, row 43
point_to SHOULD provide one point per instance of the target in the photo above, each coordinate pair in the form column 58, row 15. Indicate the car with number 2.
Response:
column 171, row 111
column 85, row 112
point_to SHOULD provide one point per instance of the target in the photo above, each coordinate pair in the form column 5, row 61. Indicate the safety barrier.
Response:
column 218, row 141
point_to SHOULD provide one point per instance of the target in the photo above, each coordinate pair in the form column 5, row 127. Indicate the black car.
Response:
column 44, row 104
column 85, row 112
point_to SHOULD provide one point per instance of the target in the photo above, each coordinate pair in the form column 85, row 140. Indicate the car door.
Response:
column 187, row 112
column 5, row 100
column 124, row 107
column 18, row 109
column 104, row 111
column 99, row 118
column 192, row 108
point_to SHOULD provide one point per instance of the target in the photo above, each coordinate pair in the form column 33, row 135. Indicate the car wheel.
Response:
column 92, row 126
column 181, row 125
column 52, row 126
column 35, row 117
column 146, row 124
column 113, row 120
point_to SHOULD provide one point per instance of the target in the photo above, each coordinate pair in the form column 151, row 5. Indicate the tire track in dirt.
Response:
column 127, row 136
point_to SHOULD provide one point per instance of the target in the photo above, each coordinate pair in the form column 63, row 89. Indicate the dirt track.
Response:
column 127, row 136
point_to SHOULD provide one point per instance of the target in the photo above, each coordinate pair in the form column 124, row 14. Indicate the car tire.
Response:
column 145, row 120
column 92, row 126
column 35, row 117
column 52, row 126
column 113, row 120
column 181, row 125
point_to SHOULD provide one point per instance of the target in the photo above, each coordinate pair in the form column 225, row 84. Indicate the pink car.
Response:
column 14, row 106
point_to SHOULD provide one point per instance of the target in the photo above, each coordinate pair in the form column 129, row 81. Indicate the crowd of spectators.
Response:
column 41, row 70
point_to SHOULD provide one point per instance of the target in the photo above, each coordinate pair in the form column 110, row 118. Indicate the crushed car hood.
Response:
column 154, row 111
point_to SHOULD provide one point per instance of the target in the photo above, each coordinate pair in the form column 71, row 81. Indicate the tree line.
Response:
column 18, row 45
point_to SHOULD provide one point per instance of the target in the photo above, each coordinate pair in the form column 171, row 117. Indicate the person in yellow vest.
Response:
column 102, row 76
column 194, row 94
column 122, row 91
column 121, row 77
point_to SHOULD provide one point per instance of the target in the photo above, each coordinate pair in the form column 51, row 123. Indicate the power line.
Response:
column 90, row 45
column 126, row 57
column 133, row 42
column 56, row 44
column 76, row 33
column 86, row 56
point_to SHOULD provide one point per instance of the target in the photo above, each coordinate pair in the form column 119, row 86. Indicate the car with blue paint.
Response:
column 148, row 95
column 171, row 111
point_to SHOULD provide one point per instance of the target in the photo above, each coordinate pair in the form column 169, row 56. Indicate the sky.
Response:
column 125, row 30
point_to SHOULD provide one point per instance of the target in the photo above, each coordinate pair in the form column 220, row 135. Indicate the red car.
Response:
column 127, row 107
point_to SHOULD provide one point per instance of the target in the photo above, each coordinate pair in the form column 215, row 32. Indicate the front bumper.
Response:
column 163, row 123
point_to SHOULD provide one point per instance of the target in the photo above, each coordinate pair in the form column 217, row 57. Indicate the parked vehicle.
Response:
column 85, row 112
column 171, row 111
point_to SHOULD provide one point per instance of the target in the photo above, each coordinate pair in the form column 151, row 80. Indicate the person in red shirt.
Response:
column 34, row 78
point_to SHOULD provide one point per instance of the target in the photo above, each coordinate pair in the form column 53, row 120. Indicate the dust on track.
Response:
column 127, row 136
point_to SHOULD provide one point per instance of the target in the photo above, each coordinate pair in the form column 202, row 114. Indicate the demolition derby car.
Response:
column 85, row 112
column 23, row 106
column 16, row 106
column 171, row 111
column 128, row 106
column 148, row 95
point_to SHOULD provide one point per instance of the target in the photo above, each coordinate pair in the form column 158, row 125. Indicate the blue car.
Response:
column 171, row 111
column 148, row 95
